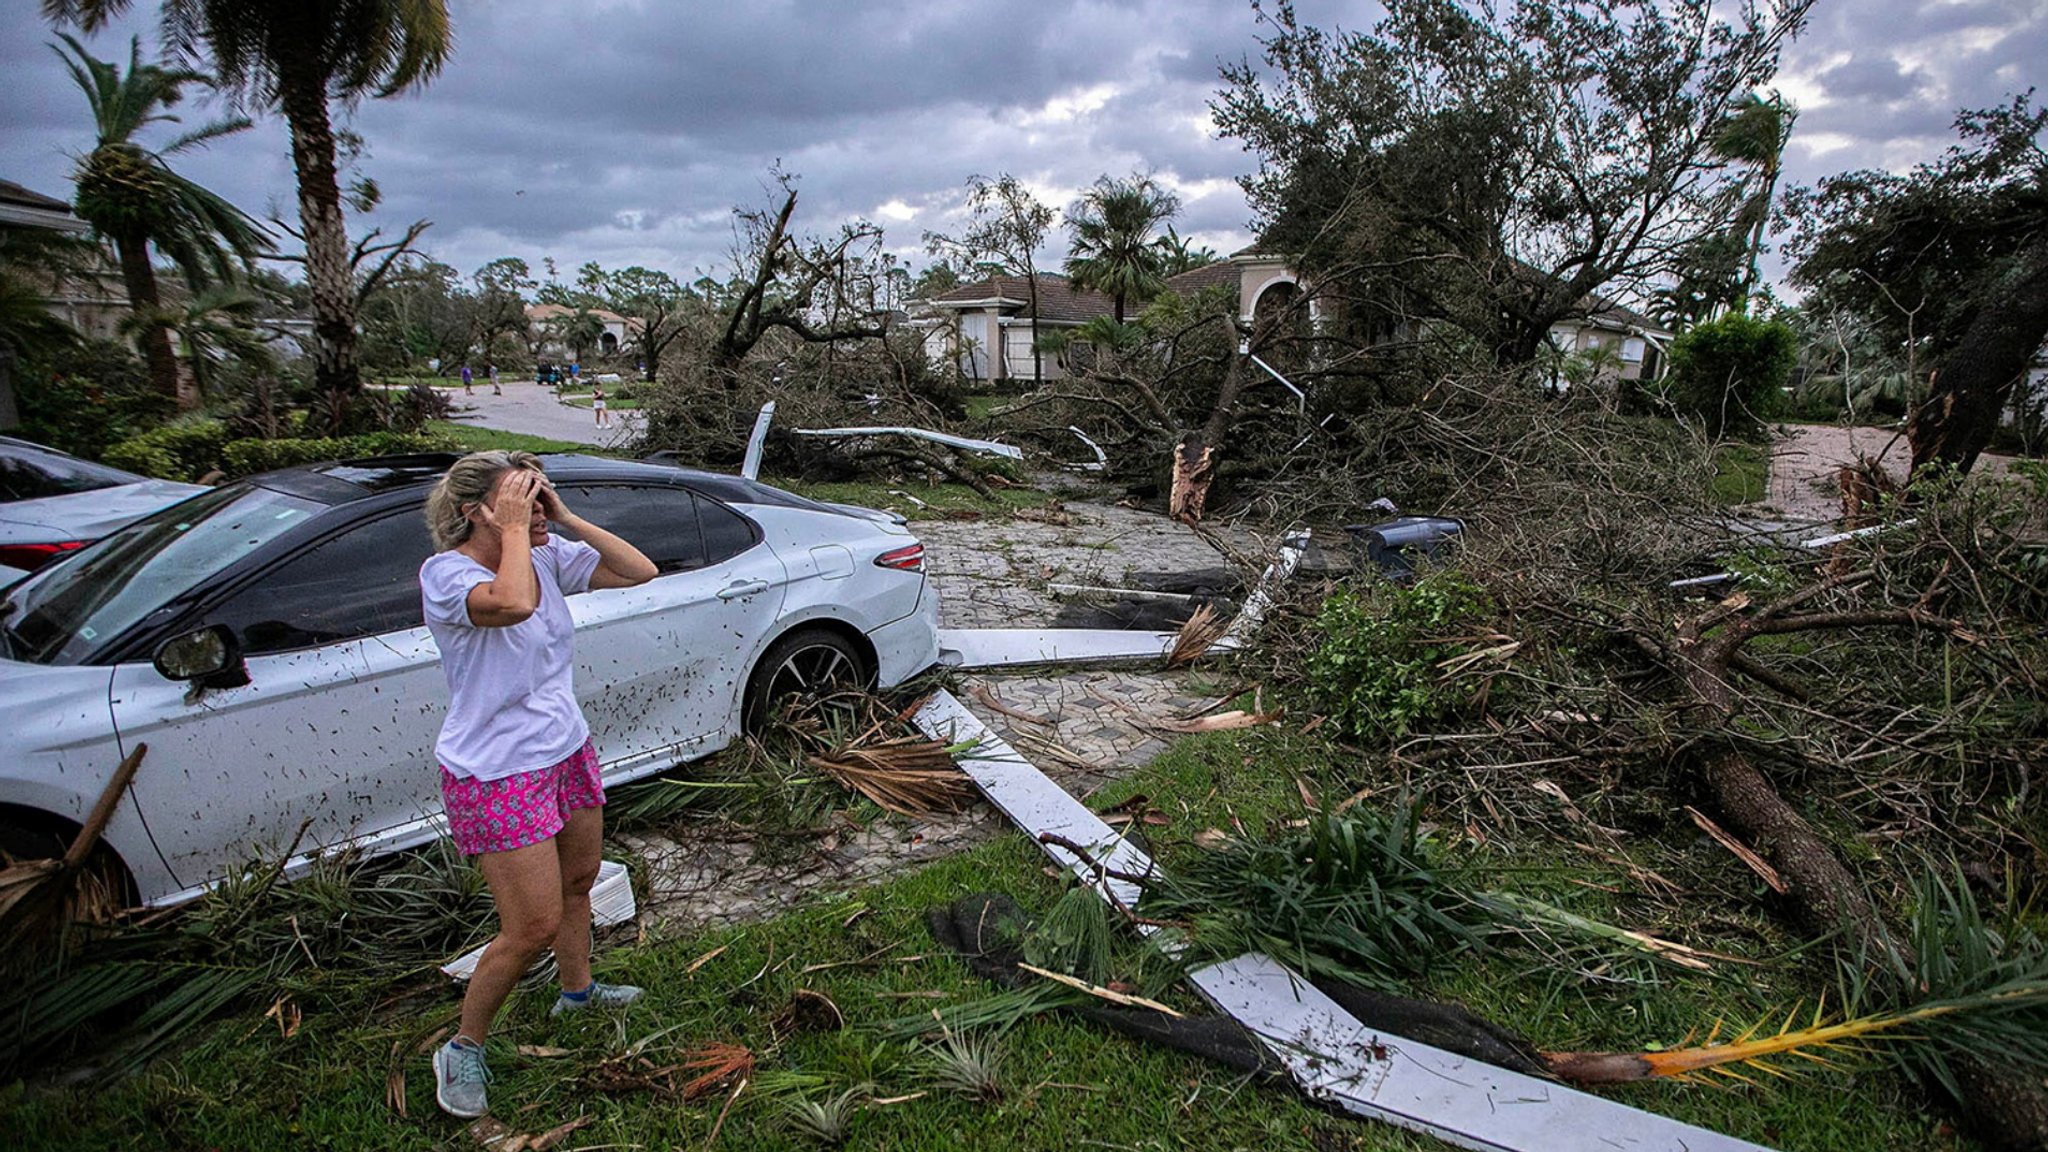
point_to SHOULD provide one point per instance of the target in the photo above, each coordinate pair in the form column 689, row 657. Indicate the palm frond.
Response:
column 908, row 775
column 1764, row 1044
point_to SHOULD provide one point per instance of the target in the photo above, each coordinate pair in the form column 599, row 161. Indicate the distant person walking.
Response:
column 495, row 390
column 466, row 389
column 604, row 418
column 519, row 773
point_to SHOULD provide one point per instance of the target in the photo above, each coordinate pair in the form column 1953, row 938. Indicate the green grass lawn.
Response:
column 582, row 400
column 980, row 404
column 470, row 438
column 1742, row 474
column 243, row 1084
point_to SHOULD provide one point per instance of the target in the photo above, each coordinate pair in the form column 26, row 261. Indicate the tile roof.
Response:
column 13, row 193
column 542, row 313
column 1207, row 276
column 1058, row 300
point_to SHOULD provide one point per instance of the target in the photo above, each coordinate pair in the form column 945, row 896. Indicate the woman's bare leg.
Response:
column 580, row 847
column 526, row 885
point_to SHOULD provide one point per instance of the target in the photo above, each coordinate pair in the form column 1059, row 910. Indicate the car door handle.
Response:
column 739, row 588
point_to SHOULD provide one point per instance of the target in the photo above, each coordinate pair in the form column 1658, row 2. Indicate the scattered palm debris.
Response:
column 1195, row 638
column 1101, row 993
column 905, row 775
column 807, row 1011
column 1741, row 851
column 1229, row 721
column 987, row 696
column 494, row 1135
column 41, row 899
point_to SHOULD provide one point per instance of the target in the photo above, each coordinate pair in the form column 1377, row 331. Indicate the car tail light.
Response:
column 909, row 559
column 29, row 557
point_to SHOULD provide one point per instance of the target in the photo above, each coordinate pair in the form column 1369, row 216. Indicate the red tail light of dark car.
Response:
column 29, row 557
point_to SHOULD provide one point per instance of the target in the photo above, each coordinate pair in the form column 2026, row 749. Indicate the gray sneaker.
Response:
column 459, row 1078
column 599, row 996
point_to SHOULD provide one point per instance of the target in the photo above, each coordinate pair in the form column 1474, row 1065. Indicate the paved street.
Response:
column 532, row 408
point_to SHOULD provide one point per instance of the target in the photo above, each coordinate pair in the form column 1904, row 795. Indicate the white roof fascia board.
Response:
column 1331, row 1055
column 999, row 647
column 24, row 216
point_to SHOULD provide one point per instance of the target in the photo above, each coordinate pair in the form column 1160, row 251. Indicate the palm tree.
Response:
column 1178, row 254
column 218, row 323
column 129, row 194
column 1114, row 250
column 296, row 57
column 1754, row 134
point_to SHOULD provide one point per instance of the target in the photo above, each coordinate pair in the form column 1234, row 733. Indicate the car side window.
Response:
column 659, row 520
column 726, row 532
column 363, row 582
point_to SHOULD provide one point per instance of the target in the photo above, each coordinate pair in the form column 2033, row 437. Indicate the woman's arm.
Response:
column 513, row 594
column 619, row 564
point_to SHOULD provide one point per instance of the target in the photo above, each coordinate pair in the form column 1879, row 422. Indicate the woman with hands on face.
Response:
column 519, row 774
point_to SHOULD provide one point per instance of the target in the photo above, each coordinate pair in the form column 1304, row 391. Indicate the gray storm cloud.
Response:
column 625, row 132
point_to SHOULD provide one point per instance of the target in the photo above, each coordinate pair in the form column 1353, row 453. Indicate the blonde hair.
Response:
column 469, row 481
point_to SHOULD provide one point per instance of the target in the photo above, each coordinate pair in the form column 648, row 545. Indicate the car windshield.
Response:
column 70, row 610
column 30, row 473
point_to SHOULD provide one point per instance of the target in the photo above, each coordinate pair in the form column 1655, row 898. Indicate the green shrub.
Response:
column 183, row 451
column 1730, row 373
column 248, row 457
column 1379, row 671
column 85, row 398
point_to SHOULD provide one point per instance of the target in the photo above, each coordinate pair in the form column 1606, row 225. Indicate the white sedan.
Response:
column 264, row 640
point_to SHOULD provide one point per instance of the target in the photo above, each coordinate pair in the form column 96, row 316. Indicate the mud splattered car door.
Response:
column 334, row 730
column 660, row 667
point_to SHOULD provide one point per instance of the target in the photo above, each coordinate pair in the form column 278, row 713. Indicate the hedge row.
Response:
column 193, row 449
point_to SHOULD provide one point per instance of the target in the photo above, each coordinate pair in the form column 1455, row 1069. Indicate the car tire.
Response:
column 24, row 840
column 807, row 661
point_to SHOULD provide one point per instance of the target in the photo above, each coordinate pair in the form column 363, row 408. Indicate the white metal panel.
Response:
column 995, row 647
column 1329, row 1052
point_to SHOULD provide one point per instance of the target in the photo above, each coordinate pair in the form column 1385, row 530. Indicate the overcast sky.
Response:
column 624, row 131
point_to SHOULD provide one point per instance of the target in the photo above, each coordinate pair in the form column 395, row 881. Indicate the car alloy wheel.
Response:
column 809, row 663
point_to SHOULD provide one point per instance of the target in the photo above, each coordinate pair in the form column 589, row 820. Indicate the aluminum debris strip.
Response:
column 1101, row 462
column 997, row 647
column 611, row 902
column 1292, row 547
column 750, row 467
column 1331, row 1055
column 964, row 443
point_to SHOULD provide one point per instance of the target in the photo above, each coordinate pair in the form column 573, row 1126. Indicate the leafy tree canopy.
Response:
column 1492, row 169
column 1948, row 262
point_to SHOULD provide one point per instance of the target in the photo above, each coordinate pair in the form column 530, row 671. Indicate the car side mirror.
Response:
column 209, row 658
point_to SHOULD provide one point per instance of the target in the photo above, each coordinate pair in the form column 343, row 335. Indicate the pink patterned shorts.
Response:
column 522, row 809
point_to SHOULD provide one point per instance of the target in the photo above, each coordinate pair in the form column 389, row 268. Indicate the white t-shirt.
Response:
column 512, row 697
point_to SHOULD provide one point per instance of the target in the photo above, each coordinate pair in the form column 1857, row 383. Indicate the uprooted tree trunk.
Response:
column 1706, row 654
column 1194, row 453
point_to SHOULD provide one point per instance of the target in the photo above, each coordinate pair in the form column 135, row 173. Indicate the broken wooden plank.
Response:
column 1329, row 1052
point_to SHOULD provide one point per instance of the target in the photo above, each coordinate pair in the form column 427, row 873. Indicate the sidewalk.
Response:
column 532, row 409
